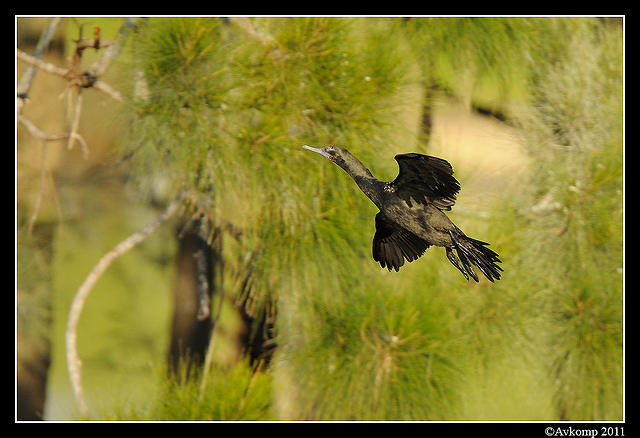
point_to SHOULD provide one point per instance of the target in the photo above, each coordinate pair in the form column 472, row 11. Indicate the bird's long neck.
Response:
column 369, row 185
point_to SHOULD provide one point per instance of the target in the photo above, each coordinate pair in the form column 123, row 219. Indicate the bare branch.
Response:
column 30, row 72
column 44, row 138
column 76, row 122
column 99, row 67
column 43, row 174
column 84, row 81
column 76, row 79
column 48, row 67
column 37, row 133
column 108, row 90
column 74, row 365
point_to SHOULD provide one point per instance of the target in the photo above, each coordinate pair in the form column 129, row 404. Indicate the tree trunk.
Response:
column 189, row 332
column 34, row 320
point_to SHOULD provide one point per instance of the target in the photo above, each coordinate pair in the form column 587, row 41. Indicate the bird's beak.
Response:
column 316, row 150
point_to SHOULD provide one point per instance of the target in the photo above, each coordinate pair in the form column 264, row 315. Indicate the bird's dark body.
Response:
column 411, row 216
column 425, row 221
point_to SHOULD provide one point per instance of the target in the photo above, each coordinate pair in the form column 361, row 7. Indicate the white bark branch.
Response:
column 74, row 365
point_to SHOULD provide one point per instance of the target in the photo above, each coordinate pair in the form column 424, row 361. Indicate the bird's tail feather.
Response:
column 474, row 252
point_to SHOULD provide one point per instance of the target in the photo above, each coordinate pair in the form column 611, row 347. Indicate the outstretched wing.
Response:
column 392, row 244
column 426, row 179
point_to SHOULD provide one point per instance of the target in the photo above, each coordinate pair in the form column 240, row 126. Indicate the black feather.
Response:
column 426, row 179
column 392, row 244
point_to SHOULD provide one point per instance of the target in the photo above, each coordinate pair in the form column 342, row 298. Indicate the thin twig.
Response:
column 99, row 67
column 30, row 72
column 74, row 364
column 64, row 73
column 76, row 122
column 208, row 361
column 44, row 138
column 42, row 65
column 37, row 133
column 108, row 90
column 56, row 202
column 75, row 79
column 209, row 356
column 43, row 174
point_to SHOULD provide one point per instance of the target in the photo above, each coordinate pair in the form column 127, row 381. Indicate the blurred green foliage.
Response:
column 574, row 131
column 480, row 59
column 219, row 114
column 232, row 137
column 235, row 393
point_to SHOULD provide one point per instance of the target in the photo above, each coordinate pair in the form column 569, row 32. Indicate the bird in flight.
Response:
column 411, row 216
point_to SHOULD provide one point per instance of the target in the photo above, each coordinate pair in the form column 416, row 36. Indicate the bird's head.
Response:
column 342, row 158
column 333, row 153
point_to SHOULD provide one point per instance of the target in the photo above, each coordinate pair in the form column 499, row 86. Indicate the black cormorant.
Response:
column 411, row 216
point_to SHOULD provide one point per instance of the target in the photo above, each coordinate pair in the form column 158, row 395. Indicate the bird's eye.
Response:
column 330, row 150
